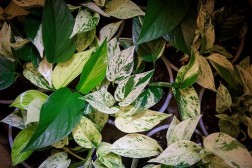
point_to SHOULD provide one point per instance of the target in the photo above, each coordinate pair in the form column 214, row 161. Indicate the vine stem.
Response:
column 72, row 153
column 6, row 101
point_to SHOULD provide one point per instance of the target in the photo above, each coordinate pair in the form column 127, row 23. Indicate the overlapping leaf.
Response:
column 57, row 160
column 223, row 99
column 109, row 31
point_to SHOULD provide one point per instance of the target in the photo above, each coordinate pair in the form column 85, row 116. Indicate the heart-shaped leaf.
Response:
column 109, row 31
column 14, row 120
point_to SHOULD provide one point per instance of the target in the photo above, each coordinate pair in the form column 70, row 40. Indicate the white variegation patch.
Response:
column 38, row 42
column 229, row 149
column 14, row 120
column 123, row 9
column 120, row 66
column 86, row 134
column 109, row 31
column 223, row 99
column 85, row 21
column 136, row 146
column 67, row 71
column 33, row 111
column 113, row 48
column 45, row 69
column 180, row 153
column 143, row 121
column 57, row 160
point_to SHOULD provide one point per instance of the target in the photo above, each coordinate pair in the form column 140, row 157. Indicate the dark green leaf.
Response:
column 182, row 36
column 94, row 70
column 57, row 26
column 162, row 17
column 7, row 73
column 17, row 156
column 59, row 115
column 31, row 27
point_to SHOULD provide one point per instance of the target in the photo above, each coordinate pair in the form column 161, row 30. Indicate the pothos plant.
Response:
column 59, row 42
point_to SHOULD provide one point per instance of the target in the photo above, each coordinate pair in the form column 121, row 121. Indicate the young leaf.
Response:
column 57, row 160
column 188, row 101
column 227, row 148
column 123, row 9
column 67, row 71
column 162, row 17
column 14, row 120
column 109, row 31
column 65, row 109
column 5, row 47
column 108, row 158
column 128, row 90
column 33, row 111
column 102, row 101
column 223, row 99
column 205, row 77
column 45, row 69
column 86, row 135
column 35, row 77
column 143, row 121
column 136, row 146
column 57, row 25
column 7, row 73
column 181, row 130
column 94, row 70
column 23, row 100
column 85, row 39
column 84, row 22
column 182, row 153
column 29, row 3
column 20, row 141
column 120, row 66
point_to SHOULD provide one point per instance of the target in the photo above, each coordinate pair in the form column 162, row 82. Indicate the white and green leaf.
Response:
column 109, row 31
column 95, row 8
column 33, row 111
column 84, row 40
column 14, row 120
column 136, row 146
column 45, row 69
column 86, row 134
column 182, row 153
column 57, row 160
column 221, row 60
column 5, row 40
column 38, row 42
column 143, row 121
column 61, row 143
column 223, row 99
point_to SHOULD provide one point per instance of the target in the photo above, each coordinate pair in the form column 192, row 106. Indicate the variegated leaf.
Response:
column 120, row 66
column 14, row 120
column 30, row 3
column 14, row 10
column 246, row 77
column 61, row 143
column 95, row 8
column 143, row 121
column 123, row 9
column 217, row 162
column 33, row 111
column 182, row 153
column 229, row 149
column 113, row 48
column 152, row 166
column 85, row 39
column 109, row 31
column 102, row 101
column 38, row 42
column 205, row 78
column 108, row 158
column 128, row 90
column 24, row 99
column 136, row 146
column 35, row 77
column 221, row 50
column 66, row 72
column 19, row 43
column 249, row 129
column 57, row 160
column 85, row 21
column 181, row 130
column 223, row 99
column 221, row 60
column 100, row 2
column 98, row 164
column 5, row 39
column 245, row 63
column 45, row 69
column 86, row 135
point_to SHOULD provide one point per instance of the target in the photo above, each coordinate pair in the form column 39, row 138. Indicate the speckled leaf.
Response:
column 45, row 69
column 14, row 120
column 136, row 146
column 181, row 130
column 33, row 111
column 152, row 166
column 188, row 101
column 35, row 77
column 229, row 149
column 123, row 9
column 14, row 10
column 188, row 74
column 61, row 143
column 113, row 48
column 57, row 160
column 218, row 162
column 98, row 164
column 38, row 42
column 30, row 3
column 143, row 121
column 246, row 78
column 66, row 72
column 205, row 77
column 85, row 39
column 86, row 135
column 128, row 90
column 85, row 21
column 220, row 60
column 120, row 66
column 109, row 31
column 221, row 50
column 181, row 153
column 95, row 8
column 102, row 101
column 100, row 2
column 20, row 141
column 24, row 99
column 223, row 99
column 5, row 47
column 108, row 158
